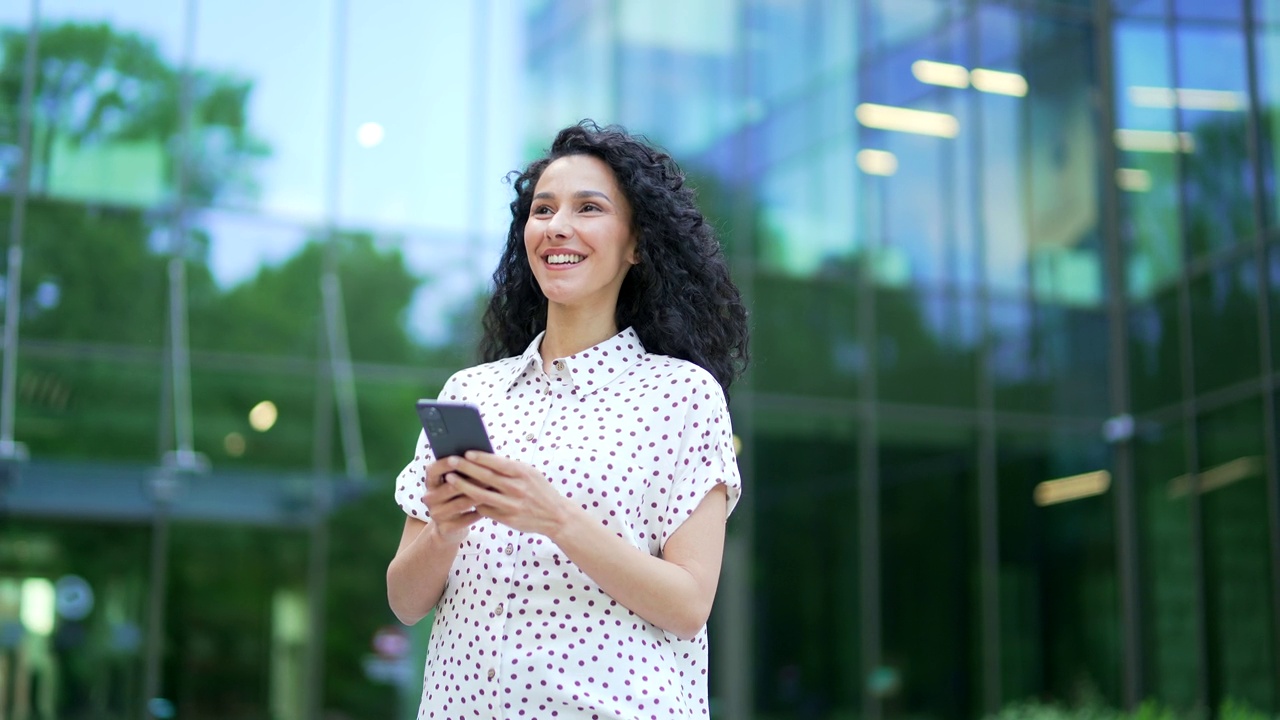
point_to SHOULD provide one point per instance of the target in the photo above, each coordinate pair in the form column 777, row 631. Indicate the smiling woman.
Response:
column 572, row 570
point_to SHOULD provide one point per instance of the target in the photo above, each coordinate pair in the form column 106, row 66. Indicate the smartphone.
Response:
column 453, row 428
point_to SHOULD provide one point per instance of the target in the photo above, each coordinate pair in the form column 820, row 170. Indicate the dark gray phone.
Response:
column 453, row 428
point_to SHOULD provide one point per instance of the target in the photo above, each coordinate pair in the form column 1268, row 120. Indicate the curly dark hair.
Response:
column 679, row 298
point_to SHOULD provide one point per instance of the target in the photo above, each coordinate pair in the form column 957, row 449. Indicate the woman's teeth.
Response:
column 564, row 259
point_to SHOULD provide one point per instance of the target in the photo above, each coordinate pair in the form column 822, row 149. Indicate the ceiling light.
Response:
column 998, row 82
column 1158, row 141
column 370, row 134
column 263, row 416
column 1133, row 180
column 877, row 162
column 920, row 122
column 1075, row 487
column 1187, row 98
column 940, row 73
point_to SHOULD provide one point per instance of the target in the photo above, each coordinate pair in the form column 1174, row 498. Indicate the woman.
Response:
column 573, row 570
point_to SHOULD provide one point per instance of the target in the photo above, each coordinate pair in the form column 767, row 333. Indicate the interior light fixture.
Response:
column 998, row 82
column 1217, row 476
column 1158, row 141
column 899, row 119
column 1075, row 487
column 370, row 135
column 1187, row 98
column 263, row 416
column 1133, row 179
column 38, row 608
column 877, row 162
column 932, row 72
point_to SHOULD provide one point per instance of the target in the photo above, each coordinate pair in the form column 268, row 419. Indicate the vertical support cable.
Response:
column 13, row 274
column 183, row 458
column 335, row 326
column 1119, row 405
column 334, row 382
column 344, row 381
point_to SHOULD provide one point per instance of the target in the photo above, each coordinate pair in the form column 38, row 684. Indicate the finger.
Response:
column 435, row 471
column 478, row 474
column 476, row 492
column 496, row 463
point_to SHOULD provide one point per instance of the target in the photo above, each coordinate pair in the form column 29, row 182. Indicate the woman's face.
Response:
column 578, row 237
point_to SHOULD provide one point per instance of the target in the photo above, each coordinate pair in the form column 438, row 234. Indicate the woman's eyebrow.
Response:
column 544, row 195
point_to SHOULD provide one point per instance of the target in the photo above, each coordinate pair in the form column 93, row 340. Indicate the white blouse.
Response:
column 520, row 632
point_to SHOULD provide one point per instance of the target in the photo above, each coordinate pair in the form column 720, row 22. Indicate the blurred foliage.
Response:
column 1148, row 710
column 98, row 85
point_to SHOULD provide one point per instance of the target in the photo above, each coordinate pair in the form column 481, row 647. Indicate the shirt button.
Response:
column 509, row 549
column 492, row 672
column 497, row 612
column 559, row 364
column 530, row 437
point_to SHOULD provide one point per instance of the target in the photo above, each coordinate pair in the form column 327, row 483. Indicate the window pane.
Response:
column 1208, row 9
column 93, row 275
column 676, row 62
column 1273, row 288
column 255, row 288
column 804, row 339
column 1212, row 100
column 1167, row 566
column 808, row 212
column 252, row 149
column 263, row 418
column 1064, row 253
column 104, row 133
column 96, row 402
column 1238, row 548
column 1047, row 358
column 15, row 19
column 931, row 613
column 1155, row 354
column 94, row 662
column 232, row 651
column 1147, row 169
column 432, row 154
column 927, row 345
column 807, row 641
column 1060, row 626
column 1268, row 53
column 1224, row 326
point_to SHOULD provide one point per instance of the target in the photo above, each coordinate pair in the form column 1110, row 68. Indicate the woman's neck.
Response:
column 570, row 332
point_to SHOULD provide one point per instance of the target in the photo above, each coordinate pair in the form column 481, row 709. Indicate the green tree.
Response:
column 98, row 85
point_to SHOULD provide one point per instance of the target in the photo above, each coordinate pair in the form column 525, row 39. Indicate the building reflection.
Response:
column 1009, row 436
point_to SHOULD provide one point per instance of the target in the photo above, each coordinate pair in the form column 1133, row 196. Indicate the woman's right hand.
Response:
column 452, row 512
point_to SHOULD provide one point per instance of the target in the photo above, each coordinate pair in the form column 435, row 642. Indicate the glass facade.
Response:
column 1009, row 436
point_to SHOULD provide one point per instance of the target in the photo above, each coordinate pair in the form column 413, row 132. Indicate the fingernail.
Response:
column 471, row 454
column 453, row 462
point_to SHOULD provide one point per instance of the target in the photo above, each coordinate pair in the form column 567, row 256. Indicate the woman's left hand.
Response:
column 511, row 492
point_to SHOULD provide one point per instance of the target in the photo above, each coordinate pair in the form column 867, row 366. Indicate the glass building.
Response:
column 1009, row 435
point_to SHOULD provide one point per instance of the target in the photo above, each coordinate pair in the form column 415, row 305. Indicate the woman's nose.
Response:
column 559, row 225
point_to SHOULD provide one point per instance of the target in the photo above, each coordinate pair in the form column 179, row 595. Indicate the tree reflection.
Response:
column 96, row 85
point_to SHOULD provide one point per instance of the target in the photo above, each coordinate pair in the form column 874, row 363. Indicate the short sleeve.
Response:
column 411, row 483
column 706, row 459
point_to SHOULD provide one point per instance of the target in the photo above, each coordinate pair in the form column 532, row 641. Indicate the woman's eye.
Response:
column 590, row 207
column 541, row 210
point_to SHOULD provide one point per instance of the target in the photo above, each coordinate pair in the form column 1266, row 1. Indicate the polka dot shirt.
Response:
column 520, row 632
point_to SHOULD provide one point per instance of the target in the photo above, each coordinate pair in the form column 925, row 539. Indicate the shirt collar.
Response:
column 590, row 369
